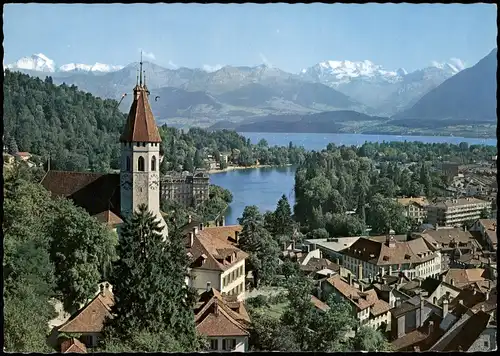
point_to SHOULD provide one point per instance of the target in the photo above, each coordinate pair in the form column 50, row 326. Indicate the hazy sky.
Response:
column 290, row 37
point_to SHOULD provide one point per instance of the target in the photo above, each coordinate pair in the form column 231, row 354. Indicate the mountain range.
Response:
column 237, row 94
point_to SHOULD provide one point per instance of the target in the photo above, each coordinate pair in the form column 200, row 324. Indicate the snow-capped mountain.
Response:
column 387, row 90
column 41, row 63
column 335, row 73
column 37, row 62
column 98, row 67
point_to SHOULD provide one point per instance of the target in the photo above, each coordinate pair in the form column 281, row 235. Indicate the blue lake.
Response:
column 263, row 187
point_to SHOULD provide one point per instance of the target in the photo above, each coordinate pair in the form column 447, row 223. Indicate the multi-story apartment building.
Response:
column 370, row 258
column 414, row 208
column 188, row 189
column 455, row 212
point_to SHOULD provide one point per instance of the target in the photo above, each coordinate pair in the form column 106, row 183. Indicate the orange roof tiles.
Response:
column 362, row 300
column 140, row 125
column 91, row 318
column 218, row 316
column 379, row 253
column 73, row 346
column 215, row 248
column 108, row 217
column 319, row 304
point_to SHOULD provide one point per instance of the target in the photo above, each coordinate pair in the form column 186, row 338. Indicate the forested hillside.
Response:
column 78, row 130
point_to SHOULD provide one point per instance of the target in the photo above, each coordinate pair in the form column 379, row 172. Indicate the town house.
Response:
column 215, row 260
column 414, row 258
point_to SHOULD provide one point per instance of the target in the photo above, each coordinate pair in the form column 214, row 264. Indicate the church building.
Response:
column 111, row 198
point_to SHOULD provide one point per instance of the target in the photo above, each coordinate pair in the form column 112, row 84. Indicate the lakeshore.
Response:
column 234, row 168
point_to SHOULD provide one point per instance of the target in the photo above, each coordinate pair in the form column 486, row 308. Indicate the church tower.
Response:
column 140, row 157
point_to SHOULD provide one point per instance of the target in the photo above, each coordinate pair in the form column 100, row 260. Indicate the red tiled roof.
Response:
column 464, row 277
column 225, row 233
column 216, row 316
column 109, row 218
column 213, row 248
column 362, row 300
column 423, row 337
column 140, row 125
column 91, row 318
column 95, row 192
column 319, row 304
column 379, row 253
column 73, row 346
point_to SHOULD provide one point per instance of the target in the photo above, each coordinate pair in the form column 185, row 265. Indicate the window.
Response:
column 228, row 344
column 214, row 344
column 153, row 163
column 144, row 144
column 140, row 164
column 128, row 164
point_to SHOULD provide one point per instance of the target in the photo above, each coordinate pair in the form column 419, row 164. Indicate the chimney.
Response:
column 452, row 282
column 442, row 277
column 361, row 287
column 445, row 307
column 195, row 231
column 189, row 219
column 236, row 235
column 431, row 327
column 398, row 302
column 461, row 302
column 223, row 221
column 209, row 286
column 482, row 308
column 101, row 289
column 416, row 348
column 191, row 239
column 337, row 261
column 360, row 272
column 293, row 245
column 436, row 227
column 201, row 226
column 390, row 270
column 487, row 297
column 350, row 279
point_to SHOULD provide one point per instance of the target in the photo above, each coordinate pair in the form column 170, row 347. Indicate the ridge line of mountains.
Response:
column 332, row 96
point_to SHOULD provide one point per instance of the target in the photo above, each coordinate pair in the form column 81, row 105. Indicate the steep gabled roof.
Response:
column 140, row 125
column 94, row 192
column 469, row 333
column 73, row 346
column 215, row 317
column 91, row 318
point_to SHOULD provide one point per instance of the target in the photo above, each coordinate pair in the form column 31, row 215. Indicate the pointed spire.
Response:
column 140, row 81
column 137, row 82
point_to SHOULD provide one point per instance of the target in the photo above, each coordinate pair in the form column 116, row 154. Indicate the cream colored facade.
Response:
column 229, row 282
column 228, row 344
column 431, row 268
column 456, row 211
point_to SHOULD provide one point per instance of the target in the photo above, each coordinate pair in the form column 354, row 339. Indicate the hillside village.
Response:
column 431, row 290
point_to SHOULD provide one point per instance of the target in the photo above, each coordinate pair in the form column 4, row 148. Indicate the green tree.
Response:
column 198, row 160
column 263, row 250
column 92, row 249
column 371, row 340
column 28, row 273
column 283, row 222
column 269, row 334
column 149, row 284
